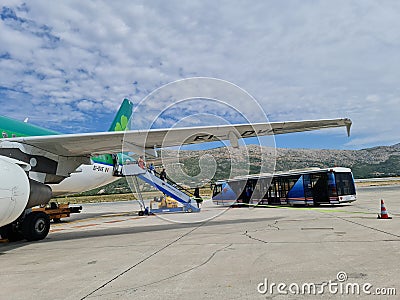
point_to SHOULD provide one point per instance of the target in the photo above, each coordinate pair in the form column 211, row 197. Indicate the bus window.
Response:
column 307, row 186
column 345, row 184
column 217, row 189
column 292, row 181
column 284, row 188
column 272, row 193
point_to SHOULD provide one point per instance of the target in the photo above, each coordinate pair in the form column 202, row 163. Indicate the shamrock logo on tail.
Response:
column 121, row 126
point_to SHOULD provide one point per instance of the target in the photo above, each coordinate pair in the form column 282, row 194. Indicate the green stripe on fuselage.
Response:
column 16, row 128
column 105, row 159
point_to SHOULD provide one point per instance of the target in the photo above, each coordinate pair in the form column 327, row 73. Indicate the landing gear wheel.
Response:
column 10, row 233
column 141, row 213
column 36, row 226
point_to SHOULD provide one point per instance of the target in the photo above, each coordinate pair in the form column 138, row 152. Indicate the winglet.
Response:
column 348, row 125
column 234, row 140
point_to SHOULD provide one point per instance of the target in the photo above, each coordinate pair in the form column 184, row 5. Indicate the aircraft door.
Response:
column 115, row 163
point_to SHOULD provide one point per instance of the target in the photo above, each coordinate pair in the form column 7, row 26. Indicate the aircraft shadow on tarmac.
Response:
column 75, row 235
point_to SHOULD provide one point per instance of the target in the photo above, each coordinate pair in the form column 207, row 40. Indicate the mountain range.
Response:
column 188, row 167
column 382, row 161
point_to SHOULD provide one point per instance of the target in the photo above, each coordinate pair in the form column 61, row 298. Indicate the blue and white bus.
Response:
column 299, row 187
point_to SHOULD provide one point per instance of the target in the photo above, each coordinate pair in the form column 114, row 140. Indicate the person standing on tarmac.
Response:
column 197, row 197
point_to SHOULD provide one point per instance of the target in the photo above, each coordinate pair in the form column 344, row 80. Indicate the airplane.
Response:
column 87, row 176
column 36, row 163
column 99, row 172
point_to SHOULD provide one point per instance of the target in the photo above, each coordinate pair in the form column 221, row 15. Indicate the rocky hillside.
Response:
column 380, row 161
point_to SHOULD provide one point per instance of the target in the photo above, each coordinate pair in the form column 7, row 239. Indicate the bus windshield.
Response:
column 345, row 184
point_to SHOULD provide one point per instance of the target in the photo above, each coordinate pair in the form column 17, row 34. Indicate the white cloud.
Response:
column 300, row 59
column 85, row 105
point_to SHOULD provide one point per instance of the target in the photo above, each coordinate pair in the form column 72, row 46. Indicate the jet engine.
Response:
column 39, row 194
column 14, row 191
column 17, row 192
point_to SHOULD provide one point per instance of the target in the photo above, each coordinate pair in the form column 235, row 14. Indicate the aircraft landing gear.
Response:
column 32, row 226
column 10, row 233
column 35, row 226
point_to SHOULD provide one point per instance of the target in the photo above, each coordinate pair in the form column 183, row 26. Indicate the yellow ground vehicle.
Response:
column 57, row 211
column 163, row 202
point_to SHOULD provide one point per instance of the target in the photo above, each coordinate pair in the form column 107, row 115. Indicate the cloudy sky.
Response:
column 67, row 65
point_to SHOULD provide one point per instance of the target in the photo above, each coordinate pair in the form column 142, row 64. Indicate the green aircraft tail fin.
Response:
column 119, row 123
column 122, row 117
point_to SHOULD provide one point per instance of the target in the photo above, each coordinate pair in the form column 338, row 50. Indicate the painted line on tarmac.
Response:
column 91, row 225
column 135, row 218
column 94, row 219
column 114, row 221
column 174, row 241
column 366, row 226
column 56, row 230
column 86, row 225
column 310, row 208
column 116, row 215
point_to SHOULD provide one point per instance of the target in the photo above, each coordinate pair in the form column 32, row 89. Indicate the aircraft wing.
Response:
column 88, row 144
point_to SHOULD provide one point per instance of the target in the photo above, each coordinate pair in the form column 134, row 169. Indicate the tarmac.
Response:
column 109, row 252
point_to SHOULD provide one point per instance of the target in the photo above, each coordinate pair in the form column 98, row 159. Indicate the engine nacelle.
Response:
column 14, row 191
column 39, row 194
column 17, row 192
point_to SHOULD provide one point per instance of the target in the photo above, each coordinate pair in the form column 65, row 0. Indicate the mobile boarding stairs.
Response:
column 169, row 188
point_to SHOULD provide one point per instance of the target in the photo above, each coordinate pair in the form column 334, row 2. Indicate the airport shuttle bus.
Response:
column 299, row 187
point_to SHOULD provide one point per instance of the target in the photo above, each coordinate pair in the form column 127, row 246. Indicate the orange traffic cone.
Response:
column 384, row 214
